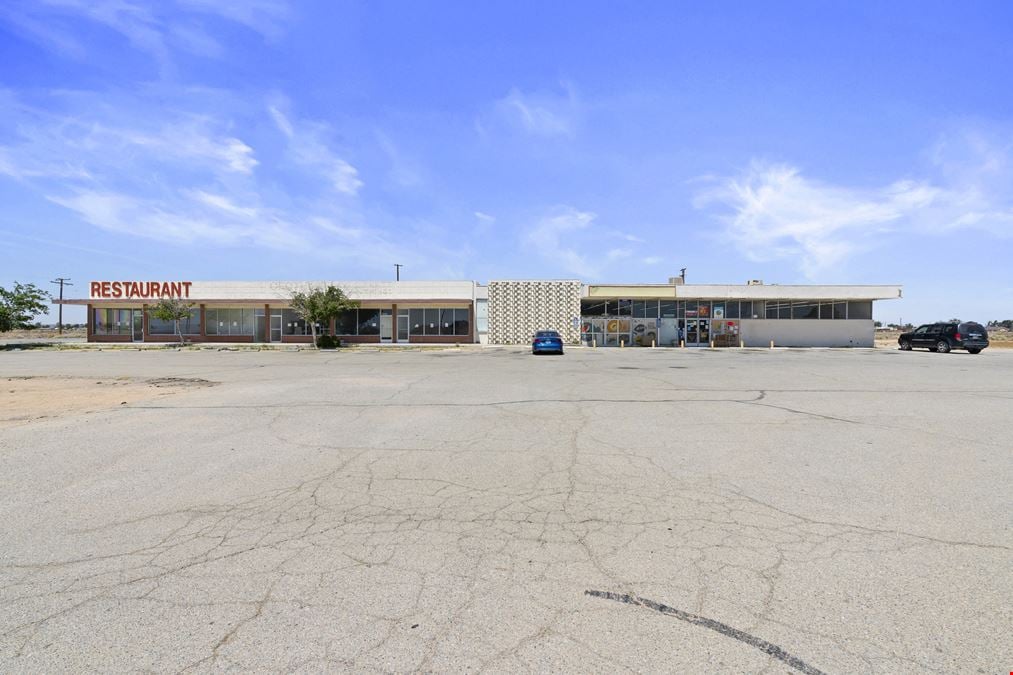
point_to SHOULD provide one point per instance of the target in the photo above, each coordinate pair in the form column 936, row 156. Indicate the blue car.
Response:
column 547, row 341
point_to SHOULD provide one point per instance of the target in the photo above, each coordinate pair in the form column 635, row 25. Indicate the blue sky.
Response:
column 795, row 142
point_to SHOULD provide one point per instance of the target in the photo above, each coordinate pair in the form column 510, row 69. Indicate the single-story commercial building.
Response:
column 503, row 312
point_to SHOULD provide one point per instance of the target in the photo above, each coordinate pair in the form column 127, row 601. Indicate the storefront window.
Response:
column 229, row 321
column 805, row 309
column 113, row 321
column 669, row 309
column 346, row 322
column 369, row 322
column 461, row 325
column 188, row 326
column 447, row 322
column 860, row 310
column 592, row 308
column 731, row 310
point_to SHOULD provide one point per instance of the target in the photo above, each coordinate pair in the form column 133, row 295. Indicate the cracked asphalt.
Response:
column 484, row 510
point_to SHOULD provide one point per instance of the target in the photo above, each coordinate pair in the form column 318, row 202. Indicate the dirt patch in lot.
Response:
column 27, row 399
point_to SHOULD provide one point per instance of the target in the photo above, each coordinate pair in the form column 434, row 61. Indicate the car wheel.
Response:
column 973, row 351
column 943, row 347
column 905, row 345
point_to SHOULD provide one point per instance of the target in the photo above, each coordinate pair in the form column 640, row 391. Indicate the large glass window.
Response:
column 731, row 309
column 188, row 326
column 669, row 309
column 346, row 322
column 461, row 325
column 432, row 323
column 113, row 321
column 291, row 323
column 446, row 322
column 620, row 307
column 416, row 322
column 861, row 309
column 592, row 308
column 645, row 309
column 805, row 309
column 778, row 309
column 229, row 321
column 369, row 322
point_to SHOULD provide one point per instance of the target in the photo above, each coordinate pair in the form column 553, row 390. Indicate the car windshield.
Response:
column 547, row 334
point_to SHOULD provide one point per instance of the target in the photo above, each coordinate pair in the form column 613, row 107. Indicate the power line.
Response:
column 62, row 281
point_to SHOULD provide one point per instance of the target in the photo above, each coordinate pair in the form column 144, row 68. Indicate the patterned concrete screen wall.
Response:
column 518, row 308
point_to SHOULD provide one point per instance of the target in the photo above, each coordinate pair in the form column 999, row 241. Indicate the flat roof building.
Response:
column 504, row 312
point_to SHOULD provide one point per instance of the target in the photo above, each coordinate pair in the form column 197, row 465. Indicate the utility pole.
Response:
column 397, row 271
column 682, row 273
column 62, row 282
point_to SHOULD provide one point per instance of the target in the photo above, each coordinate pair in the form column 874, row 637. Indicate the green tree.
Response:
column 172, row 309
column 319, row 305
column 20, row 305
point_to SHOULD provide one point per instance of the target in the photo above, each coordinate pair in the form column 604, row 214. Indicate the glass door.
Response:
column 138, row 323
column 402, row 327
column 692, row 334
column 704, row 333
column 385, row 325
column 276, row 328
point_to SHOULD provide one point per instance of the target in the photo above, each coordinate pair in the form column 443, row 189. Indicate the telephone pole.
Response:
column 397, row 271
column 62, row 282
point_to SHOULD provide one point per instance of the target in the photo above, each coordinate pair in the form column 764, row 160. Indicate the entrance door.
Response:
column 138, row 325
column 276, row 328
column 692, row 336
column 704, row 332
column 385, row 325
column 402, row 328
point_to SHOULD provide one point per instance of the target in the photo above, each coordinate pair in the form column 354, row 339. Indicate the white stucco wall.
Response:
column 808, row 333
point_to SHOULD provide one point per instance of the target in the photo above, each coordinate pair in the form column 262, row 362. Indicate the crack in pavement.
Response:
column 764, row 646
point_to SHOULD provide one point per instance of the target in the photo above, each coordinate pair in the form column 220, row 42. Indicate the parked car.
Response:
column 942, row 337
column 547, row 341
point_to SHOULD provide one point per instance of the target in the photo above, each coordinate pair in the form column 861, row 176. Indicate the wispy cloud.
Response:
column 546, row 238
column 774, row 212
column 154, row 29
column 309, row 148
column 544, row 114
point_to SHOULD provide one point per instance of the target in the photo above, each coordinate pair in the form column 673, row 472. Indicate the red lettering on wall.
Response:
column 140, row 289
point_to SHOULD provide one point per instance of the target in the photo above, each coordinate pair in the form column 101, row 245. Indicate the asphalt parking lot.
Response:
column 608, row 510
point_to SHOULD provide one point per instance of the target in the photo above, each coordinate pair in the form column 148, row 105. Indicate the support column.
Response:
column 267, row 322
column 393, row 334
column 203, row 322
column 144, row 323
column 89, row 324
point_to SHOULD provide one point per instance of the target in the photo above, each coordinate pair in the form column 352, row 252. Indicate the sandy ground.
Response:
column 30, row 398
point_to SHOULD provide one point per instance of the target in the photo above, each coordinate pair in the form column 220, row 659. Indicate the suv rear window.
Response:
column 972, row 328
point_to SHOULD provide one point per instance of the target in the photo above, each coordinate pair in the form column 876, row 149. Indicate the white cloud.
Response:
column 652, row 260
column 546, row 236
column 485, row 218
column 773, row 212
column 307, row 147
column 540, row 114
column 155, row 29
column 618, row 254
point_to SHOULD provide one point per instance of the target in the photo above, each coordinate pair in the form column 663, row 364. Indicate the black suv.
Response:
column 942, row 337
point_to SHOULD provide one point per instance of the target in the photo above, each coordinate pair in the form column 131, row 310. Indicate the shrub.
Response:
column 328, row 342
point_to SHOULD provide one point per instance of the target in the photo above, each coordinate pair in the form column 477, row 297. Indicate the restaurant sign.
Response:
column 140, row 289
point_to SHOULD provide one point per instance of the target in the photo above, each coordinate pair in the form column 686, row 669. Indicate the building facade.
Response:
column 503, row 312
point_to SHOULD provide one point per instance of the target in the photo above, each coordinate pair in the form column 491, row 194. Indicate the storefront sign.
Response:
column 140, row 289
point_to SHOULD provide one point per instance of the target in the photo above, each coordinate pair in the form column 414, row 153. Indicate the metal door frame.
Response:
column 407, row 325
